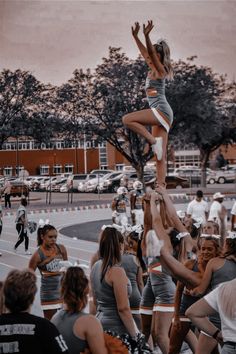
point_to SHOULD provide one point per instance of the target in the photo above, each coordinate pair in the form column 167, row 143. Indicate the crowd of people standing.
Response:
column 148, row 286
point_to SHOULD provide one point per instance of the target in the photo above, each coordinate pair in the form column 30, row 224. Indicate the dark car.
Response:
column 18, row 189
column 172, row 182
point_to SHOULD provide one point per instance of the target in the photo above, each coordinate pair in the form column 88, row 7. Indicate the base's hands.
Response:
column 135, row 29
column 147, row 28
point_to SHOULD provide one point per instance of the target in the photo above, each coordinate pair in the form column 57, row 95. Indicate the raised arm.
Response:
column 179, row 271
column 151, row 50
column 141, row 46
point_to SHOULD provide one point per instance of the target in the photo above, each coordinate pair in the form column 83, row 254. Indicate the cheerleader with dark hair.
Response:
column 80, row 330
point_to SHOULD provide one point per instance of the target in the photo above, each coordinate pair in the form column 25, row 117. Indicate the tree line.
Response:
column 93, row 103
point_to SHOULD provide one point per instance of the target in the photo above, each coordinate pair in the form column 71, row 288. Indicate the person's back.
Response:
column 131, row 269
column 25, row 333
column 107, row 311
column 21, row 332
column 65, row 321
column 225, row 273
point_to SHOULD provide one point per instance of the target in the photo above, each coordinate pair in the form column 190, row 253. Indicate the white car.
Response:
column 224, row 175
column 82, row 184
column 92, row 185
column 64, row 188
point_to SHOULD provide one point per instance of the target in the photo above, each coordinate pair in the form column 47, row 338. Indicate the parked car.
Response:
column 148, row 176
column 18, row 189
column 224, row 175
column 101, row 172
column 82, row 187
column 172, row 182
column 111, row 182
column 195, row 175
column 56, row 185
column 93, row 184
column 73, row 181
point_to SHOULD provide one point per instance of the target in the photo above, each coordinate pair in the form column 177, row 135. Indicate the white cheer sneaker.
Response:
column 157, row 148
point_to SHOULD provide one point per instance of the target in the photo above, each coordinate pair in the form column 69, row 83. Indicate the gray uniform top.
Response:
column 107, row 311
column 64, row 322
column 131, row 269
column 159, row 100
column 226, row 273
column 51, row 279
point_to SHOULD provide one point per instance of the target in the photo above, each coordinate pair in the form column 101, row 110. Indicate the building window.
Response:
column 7, row 171
column 69, row 168
column 59, row 144
column 22, row 146
column 102, row 156
column 119, row 167
column 57, row 169
column 44, row 170
column 18, row 169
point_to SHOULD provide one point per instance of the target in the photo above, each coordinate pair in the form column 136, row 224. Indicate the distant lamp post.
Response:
column 17, row 156
column 85, row 154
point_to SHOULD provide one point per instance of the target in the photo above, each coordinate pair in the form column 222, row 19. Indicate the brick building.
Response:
column 59, row 156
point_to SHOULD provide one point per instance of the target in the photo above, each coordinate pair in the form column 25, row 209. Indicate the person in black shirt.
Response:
column 21, row 332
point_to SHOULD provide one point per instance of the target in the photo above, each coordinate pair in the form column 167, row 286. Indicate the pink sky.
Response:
column 53, row 38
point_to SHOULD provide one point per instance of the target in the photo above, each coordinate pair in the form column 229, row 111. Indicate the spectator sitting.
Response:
column 21, row 332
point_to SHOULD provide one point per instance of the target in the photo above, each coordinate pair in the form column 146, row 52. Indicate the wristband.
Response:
column 216, row 333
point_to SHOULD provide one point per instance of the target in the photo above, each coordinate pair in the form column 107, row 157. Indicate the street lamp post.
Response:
column 17, row 156
column 85, row 155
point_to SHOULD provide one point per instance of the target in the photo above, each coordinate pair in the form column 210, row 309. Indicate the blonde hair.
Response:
column 226, row 298
column 163, row 49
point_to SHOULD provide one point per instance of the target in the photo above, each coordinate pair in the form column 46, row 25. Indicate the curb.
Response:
column 175, row 197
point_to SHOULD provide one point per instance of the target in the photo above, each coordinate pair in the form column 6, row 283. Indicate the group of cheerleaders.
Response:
column 141, row 285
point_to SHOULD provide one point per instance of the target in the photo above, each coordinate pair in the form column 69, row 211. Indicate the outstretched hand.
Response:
column 135, row 29
column 147, row 28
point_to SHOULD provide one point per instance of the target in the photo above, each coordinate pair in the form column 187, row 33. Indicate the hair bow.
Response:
column 180, row 213
column 114, row 226
column 182, row 234
column 198, row 222
column 231, row 235
column 217, row 237
column 42, row 222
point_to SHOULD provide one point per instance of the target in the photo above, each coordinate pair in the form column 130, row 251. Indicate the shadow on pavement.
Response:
column 88, row 231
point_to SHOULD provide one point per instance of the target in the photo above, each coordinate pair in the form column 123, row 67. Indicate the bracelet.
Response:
column 216, row 333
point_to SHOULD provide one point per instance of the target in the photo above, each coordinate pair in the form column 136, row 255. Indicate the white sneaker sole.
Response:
column 157, row 148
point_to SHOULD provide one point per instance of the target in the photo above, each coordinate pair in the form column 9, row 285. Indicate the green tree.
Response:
column 72, row 99
column 118, row 88
column 19, row 92
column 198, row 99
